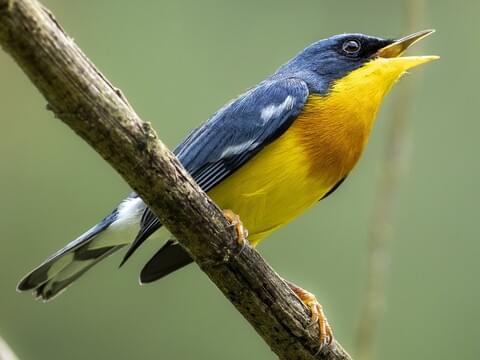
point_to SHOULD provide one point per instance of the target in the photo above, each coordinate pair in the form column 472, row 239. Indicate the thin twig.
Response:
column 88, row 103
column 378, row 254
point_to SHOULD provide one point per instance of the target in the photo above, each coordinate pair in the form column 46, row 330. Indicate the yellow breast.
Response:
column 272, row 188
column 295, row 171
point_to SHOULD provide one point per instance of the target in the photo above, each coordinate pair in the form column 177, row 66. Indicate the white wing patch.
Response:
column 266, row 114
column 237, row 149
column 271, row 111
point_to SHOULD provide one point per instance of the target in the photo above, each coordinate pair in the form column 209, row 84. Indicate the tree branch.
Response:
column 88, row 103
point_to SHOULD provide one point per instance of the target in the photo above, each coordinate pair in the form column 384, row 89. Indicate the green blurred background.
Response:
column 178, row 62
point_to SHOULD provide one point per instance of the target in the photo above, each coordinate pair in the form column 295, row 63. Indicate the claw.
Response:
column 317, row 314
column 234, row 219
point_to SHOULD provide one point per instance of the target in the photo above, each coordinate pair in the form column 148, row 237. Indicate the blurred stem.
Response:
column 6, row 352
column 380, row 233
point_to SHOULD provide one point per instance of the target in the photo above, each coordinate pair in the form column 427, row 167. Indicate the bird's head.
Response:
column 356, row 61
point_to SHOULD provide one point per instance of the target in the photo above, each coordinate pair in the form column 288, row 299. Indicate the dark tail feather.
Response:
column 168, row 259
column 69, row 263
column 149, row 223
column 53, row 287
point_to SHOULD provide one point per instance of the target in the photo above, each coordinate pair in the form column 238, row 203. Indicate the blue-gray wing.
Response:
column 241, row 129
column 234, row 135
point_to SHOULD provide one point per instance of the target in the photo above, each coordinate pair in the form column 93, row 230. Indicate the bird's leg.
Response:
column 234, row 220
column 241, row 233
column 316, row 310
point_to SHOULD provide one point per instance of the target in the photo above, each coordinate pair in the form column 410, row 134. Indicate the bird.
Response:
column 265, row 158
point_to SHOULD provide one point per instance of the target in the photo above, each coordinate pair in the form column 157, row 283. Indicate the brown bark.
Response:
column 88, row 103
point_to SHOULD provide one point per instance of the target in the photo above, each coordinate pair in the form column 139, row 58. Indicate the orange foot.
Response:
column 316, row 309
column 234, row 220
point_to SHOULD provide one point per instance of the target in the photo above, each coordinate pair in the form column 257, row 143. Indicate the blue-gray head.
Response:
column 327, row 60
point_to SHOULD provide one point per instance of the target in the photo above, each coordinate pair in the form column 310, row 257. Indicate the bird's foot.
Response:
column 234, row 220
column 241, row 235
column 317, row 314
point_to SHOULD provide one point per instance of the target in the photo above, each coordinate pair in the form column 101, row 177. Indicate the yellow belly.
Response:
column 293, row 172
column 271, row 189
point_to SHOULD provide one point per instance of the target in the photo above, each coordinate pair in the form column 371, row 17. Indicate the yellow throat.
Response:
column 318, row 150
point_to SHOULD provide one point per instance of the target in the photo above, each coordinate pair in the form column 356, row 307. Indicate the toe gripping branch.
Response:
column 234, row 220
column 316, row 309
column 241, row 235
column 317, row 314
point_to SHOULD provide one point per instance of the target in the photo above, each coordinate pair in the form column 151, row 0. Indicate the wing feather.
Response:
column 232, row 136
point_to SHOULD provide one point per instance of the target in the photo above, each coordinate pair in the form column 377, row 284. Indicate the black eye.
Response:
column 351, row 47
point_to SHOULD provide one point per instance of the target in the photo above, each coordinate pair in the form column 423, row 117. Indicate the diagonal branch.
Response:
column 88, row 103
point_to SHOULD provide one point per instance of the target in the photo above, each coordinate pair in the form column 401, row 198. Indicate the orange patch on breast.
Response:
column 333, row 135
column 296, row 170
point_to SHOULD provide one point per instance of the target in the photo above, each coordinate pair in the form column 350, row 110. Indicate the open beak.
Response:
column 398, row 47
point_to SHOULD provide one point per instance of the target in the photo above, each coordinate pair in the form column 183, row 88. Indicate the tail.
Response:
column 168, row 259
column 65, row 266
column 114, row 232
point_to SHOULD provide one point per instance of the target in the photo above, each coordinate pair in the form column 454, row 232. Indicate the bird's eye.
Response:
column 351, row 47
